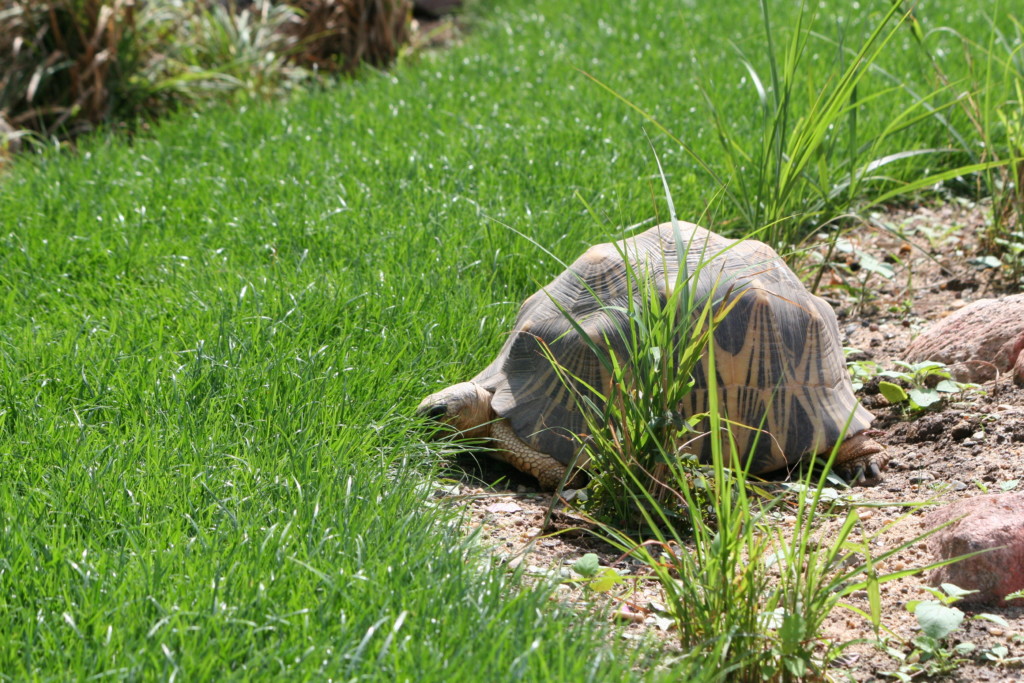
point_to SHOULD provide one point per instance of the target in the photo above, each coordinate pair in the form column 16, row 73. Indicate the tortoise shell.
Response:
column 778, row 355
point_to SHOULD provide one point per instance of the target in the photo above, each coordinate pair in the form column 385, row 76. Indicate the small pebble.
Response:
column 921, row 477
column 865, row 515
column 957, row 485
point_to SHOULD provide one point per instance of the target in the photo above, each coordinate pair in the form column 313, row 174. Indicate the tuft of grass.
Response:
column 231, row 53
column 749, row 597
column 1004, row 138
column 990, row 128
column 70, row 66
column 997, row 76
column 332, row 35
column 810, row 162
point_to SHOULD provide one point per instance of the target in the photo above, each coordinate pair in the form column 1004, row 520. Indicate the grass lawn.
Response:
column 212, row 340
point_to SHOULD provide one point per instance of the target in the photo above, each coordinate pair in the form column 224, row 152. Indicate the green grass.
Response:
column 213, row 339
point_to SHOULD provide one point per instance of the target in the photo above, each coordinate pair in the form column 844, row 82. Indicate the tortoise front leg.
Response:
column 860, row 460
column 511, row 449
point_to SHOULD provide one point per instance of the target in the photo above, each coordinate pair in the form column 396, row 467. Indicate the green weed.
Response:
column 931, row 653
column 926, row 384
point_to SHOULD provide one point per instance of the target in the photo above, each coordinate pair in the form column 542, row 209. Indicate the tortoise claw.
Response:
column 860, row 461
column 860, row 473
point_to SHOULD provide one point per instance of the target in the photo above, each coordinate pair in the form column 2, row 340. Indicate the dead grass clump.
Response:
column 69, row 66
column 341, row 34
column 65, row 62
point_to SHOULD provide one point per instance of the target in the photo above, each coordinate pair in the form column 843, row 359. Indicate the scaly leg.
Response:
column 511, row 449
column 860, row 460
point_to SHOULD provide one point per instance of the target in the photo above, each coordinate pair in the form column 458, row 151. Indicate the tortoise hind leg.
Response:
column 860, row 460
column 548, row 471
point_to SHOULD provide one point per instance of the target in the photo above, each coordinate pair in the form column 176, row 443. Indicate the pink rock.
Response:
column 976, row 341
column 989, row 522
column 1018, row 369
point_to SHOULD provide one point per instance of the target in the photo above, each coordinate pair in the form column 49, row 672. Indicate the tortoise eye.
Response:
column 436, row 411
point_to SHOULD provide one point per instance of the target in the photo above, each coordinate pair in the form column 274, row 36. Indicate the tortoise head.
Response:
column 465, row 406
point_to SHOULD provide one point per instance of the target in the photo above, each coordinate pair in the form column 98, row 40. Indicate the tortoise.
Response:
column 778, row 358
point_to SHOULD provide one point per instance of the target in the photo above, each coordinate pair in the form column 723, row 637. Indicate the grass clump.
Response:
column 984, row 126
column 996, row 88
column 809, row 161
column 748, row 594
column 333, row 36
column 70, row 66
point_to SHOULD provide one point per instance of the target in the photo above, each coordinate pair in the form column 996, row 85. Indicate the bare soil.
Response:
column 971, row 445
